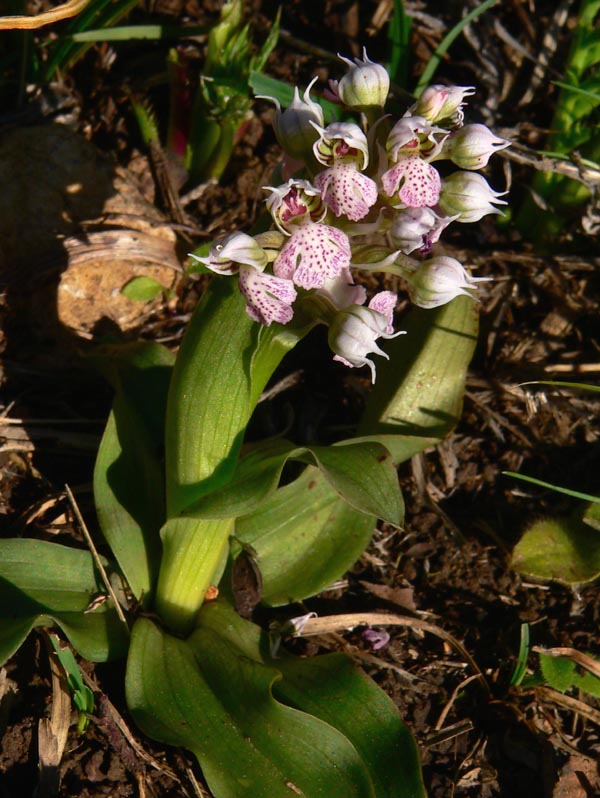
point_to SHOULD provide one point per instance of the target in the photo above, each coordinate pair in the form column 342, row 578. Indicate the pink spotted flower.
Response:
column 342, row 147
column 314, row 252
column 411, row 181
column 268, row 298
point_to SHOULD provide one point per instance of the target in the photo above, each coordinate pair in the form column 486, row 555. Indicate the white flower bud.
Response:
column 353, row 335
column 472, row 146
column 438, row 281
column 293, row 127
column 468, row 197
column 365, row 84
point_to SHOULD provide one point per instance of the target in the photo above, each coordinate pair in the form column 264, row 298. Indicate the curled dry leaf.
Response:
column 75, row 228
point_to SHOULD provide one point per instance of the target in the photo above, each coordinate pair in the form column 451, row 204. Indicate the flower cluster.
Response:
column 349, row 183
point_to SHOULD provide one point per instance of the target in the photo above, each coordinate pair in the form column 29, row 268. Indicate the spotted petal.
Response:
column 313, row 254
column 385, row 303
column 413, row 182
column 347, row 191
column 268, row 298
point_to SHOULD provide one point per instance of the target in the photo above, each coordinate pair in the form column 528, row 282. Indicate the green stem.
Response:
column 223, row 365
column 194, row 555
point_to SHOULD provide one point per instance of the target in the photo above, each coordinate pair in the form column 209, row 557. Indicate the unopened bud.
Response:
column 353, row 336
column 468, row 197
column 472, row 146
column 293, row 126
column 438, row 281
column 417, row 228
column 365, row 84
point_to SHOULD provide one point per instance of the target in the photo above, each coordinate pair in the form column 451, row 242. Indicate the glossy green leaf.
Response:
column 564, row 550
column 419, row 391
column 208, row 696
column 305, row 537
column 142, row 289
column 333, row 689
column 361, row 473
column 128, row 475
column 43, row 583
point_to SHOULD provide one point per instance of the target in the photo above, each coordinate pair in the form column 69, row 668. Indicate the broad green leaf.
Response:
column 361, row 473
column 419, row 391
column 305, row 537
column 564, row 550
column 128, row 475
column 562, row 674
column 142, row 289
column 558, row 672
column 401, row 447
column 333, row 689
column 208, row 696
column 43, row 583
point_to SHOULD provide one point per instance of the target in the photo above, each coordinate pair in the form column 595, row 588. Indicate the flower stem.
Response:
column 224, row 363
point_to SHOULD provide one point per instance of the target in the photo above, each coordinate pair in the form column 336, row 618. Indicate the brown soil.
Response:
column 451, row 564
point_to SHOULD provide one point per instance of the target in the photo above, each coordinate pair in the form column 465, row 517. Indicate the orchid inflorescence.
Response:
column 349, row 184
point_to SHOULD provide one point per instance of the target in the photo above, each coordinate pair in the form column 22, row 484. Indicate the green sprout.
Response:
column 83, row 697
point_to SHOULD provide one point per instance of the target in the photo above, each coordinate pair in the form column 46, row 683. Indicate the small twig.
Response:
column 498, row 418
column 441, row 736
column 198, row 789
column 96, row 556
column 574, row 368
column 452, row 699
column 334, row 623
column 572, row 704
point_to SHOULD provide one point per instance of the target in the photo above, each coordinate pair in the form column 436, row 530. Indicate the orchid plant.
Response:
column 200, row 529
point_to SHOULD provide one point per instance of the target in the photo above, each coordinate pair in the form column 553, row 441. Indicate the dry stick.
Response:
column 567, row 702
column 64, row 11
column 96, row 557
column 453, row 697
column 333, row 623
